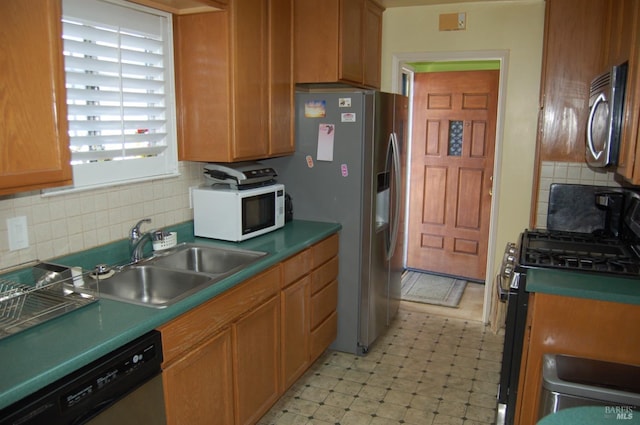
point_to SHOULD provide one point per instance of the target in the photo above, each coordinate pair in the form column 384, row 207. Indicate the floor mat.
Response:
column 432, row 289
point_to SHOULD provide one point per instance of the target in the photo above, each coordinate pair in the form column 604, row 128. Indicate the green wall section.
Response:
column 455, row 66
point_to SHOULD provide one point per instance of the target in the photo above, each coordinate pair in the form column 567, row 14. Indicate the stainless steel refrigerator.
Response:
column 349, row 168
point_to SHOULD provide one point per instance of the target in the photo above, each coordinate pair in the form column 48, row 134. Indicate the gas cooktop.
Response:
column 578, row 251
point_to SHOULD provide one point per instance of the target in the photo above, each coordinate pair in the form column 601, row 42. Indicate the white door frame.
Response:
column 399, row 64
column 406, row 69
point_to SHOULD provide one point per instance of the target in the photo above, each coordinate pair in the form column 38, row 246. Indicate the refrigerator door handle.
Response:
column 393, row 160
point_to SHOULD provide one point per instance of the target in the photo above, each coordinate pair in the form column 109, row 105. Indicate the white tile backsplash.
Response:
column 63, row 224
column 567, row 172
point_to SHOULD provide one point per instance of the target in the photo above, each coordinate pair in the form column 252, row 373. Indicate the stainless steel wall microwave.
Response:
column 222, row 212
column 604, row 126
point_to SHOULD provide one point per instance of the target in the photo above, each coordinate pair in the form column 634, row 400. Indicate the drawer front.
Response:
column 324, row 274
column 324, row 303
column 324, row 250
column 296, row 267
column 323, row 336
column 184, row 332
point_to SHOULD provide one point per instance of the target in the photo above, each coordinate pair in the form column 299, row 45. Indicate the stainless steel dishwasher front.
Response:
column 145, row 405
column 569, row 381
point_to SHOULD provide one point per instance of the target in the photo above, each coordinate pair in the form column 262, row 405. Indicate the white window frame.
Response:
column 107, row 126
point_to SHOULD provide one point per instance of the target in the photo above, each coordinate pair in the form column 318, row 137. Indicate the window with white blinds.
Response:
column 119, row 79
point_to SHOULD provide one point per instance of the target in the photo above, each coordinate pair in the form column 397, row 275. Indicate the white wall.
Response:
column 516, row 27
column 64, row 224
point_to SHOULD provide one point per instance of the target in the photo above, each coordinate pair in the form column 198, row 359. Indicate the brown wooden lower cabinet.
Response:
column 305, row 275
column 324, row 319
column 324, row 297
column 295, row 331
column 256, row 358
column 230, row 359
column 594, row 329
column 323, row 302
column 323, row 335
column 198, row 387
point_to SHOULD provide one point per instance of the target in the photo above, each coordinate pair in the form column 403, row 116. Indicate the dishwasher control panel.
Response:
column 122, row 367
column 88, row 391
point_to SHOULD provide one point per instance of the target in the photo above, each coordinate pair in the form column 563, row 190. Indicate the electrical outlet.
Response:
column 18, row 233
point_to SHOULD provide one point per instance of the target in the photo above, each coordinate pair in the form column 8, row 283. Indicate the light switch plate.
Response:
column 18, row 233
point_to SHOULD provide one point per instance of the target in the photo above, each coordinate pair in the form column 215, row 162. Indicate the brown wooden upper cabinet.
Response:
column 234, row 82
column 584, row 38
column 338, row 41
column 624, row 45
column 574, row 42
column 34, row 141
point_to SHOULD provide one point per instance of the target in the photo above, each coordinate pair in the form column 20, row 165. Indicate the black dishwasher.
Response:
column 125, row 384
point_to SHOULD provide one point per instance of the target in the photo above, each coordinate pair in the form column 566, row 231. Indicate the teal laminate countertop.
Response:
column 47, row 352
column 584, row 285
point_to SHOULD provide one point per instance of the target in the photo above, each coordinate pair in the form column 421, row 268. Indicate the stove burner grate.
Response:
column 580, row 252
column 589, row 262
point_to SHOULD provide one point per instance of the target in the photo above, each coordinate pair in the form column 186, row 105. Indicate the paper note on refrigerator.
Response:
column 326, row 134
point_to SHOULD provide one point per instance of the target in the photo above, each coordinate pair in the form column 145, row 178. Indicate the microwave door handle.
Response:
column 598, row 100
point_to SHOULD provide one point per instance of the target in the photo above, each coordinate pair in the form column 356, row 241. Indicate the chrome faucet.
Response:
column 137, row 240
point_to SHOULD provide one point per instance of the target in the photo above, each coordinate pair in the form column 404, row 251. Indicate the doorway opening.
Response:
column 472, row 185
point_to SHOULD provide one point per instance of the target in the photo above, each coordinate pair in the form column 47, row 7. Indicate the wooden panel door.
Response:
column 451, row 171
column 198, row 387
column 256, row 362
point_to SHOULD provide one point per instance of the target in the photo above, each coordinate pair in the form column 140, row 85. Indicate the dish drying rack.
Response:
column 56, row 291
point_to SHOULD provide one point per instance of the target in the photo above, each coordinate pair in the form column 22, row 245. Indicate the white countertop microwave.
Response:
column 220, row 212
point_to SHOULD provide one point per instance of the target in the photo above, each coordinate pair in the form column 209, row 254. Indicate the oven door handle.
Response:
column 503, row 295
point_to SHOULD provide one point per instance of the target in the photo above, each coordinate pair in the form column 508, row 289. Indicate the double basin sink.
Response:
column 172, row 275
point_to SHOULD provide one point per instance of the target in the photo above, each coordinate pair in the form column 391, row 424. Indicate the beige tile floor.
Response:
column 427, row 369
